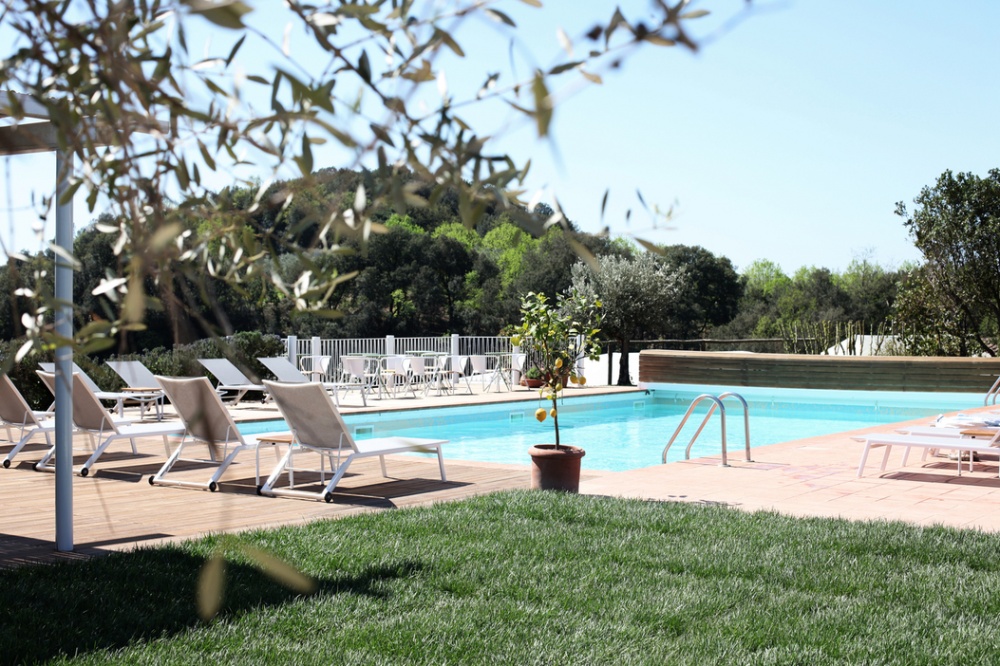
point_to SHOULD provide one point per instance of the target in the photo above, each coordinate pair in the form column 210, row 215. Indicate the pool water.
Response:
column 628, row 431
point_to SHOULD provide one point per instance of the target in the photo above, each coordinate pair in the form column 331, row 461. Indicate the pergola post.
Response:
column 64, row 357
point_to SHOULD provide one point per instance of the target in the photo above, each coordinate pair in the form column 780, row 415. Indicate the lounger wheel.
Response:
column 212, row 487
column 84, row 471
column 151, row 480
column 6, row 464
column 328, row 498
column 260, row 490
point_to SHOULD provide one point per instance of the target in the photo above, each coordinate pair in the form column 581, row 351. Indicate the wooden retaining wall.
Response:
column 864, row 373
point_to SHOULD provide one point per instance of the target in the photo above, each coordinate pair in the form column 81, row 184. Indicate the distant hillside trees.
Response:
column 774, row 303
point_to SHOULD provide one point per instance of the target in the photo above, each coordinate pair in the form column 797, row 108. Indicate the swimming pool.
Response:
column 629, row 431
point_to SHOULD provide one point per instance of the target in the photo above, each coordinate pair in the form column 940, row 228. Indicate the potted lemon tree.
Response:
column 559, row 334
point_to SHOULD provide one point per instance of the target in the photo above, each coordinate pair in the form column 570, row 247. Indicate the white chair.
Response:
column 356, row 371
column 454, row 372
column 317, row 368
column 206, row 421
column 394, row 375
column 90, row 417
column 488, row 375
column 16, row 414
column 317, row 427
column 419, row 372
column 230, row 378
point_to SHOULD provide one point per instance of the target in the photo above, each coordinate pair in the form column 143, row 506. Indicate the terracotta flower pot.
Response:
column 555, row 469
column 532, row 383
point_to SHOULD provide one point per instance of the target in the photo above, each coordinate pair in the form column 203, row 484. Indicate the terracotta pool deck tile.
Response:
column 818, row 477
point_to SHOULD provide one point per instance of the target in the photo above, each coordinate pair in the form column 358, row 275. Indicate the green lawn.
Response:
column 531, row 578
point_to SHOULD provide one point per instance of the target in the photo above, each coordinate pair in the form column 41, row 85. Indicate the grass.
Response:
column 531, row 578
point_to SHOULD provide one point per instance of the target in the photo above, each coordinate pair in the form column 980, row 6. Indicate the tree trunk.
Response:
column 623, row 378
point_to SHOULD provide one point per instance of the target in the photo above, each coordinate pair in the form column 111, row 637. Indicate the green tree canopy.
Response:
column 147, row 109
column 956, row 226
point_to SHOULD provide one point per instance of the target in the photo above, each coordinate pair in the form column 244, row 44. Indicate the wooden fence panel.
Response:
column 873, row 373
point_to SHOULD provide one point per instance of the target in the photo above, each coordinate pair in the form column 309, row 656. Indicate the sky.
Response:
column 789, row 136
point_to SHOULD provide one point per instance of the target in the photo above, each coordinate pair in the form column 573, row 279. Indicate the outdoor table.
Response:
column 273, row 439
column 146, row 391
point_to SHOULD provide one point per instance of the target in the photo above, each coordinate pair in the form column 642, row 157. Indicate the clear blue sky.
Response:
column 789, row 137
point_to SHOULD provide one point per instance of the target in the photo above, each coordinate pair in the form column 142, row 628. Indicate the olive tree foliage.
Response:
column 147, row 113
column 640, row 295
column 924, row 325
column 956, row 226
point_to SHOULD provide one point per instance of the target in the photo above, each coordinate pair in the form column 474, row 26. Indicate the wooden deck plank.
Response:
column 116, row 509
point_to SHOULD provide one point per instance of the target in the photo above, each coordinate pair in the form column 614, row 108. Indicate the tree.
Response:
column 870, row 290
column 712, row 296
column 956, row 226
column 926, row 326
column 638, row 296
column 147, row 118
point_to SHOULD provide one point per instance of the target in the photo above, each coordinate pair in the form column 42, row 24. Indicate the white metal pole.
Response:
column 64, row 359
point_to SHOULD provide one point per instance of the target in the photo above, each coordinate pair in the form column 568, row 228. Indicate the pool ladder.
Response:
column 992, row 393
column 716, row 402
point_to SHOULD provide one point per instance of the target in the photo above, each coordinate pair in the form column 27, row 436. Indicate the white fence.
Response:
column 456, row 345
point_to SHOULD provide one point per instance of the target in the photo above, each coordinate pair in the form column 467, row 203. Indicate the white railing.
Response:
column 457, row 345
column 407, row 345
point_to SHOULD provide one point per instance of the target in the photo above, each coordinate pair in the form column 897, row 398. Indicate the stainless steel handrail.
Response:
column 716, row 403
column 992, row 393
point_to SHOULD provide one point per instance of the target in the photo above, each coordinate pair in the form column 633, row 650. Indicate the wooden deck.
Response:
column 115, row 508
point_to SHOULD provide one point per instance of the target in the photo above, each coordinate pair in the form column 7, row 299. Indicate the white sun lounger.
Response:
column 90, row 417
column 143, row 399
column 287, row 373
column 139, row 378
column 928, row 443
column 230, row 378
column 206, row 421
column 317, row 427
column 16, row 414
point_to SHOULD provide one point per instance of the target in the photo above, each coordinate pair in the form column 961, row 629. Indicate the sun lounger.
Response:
column 317, row 427
column 144, row 400
column 139, row 378
column 206, row 421
column 90, row 417
column 230, row 378
column 287, row 373
column 959, row 445
column 15, row 414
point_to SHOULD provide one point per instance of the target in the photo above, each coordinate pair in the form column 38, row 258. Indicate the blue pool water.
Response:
column 629, row 431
